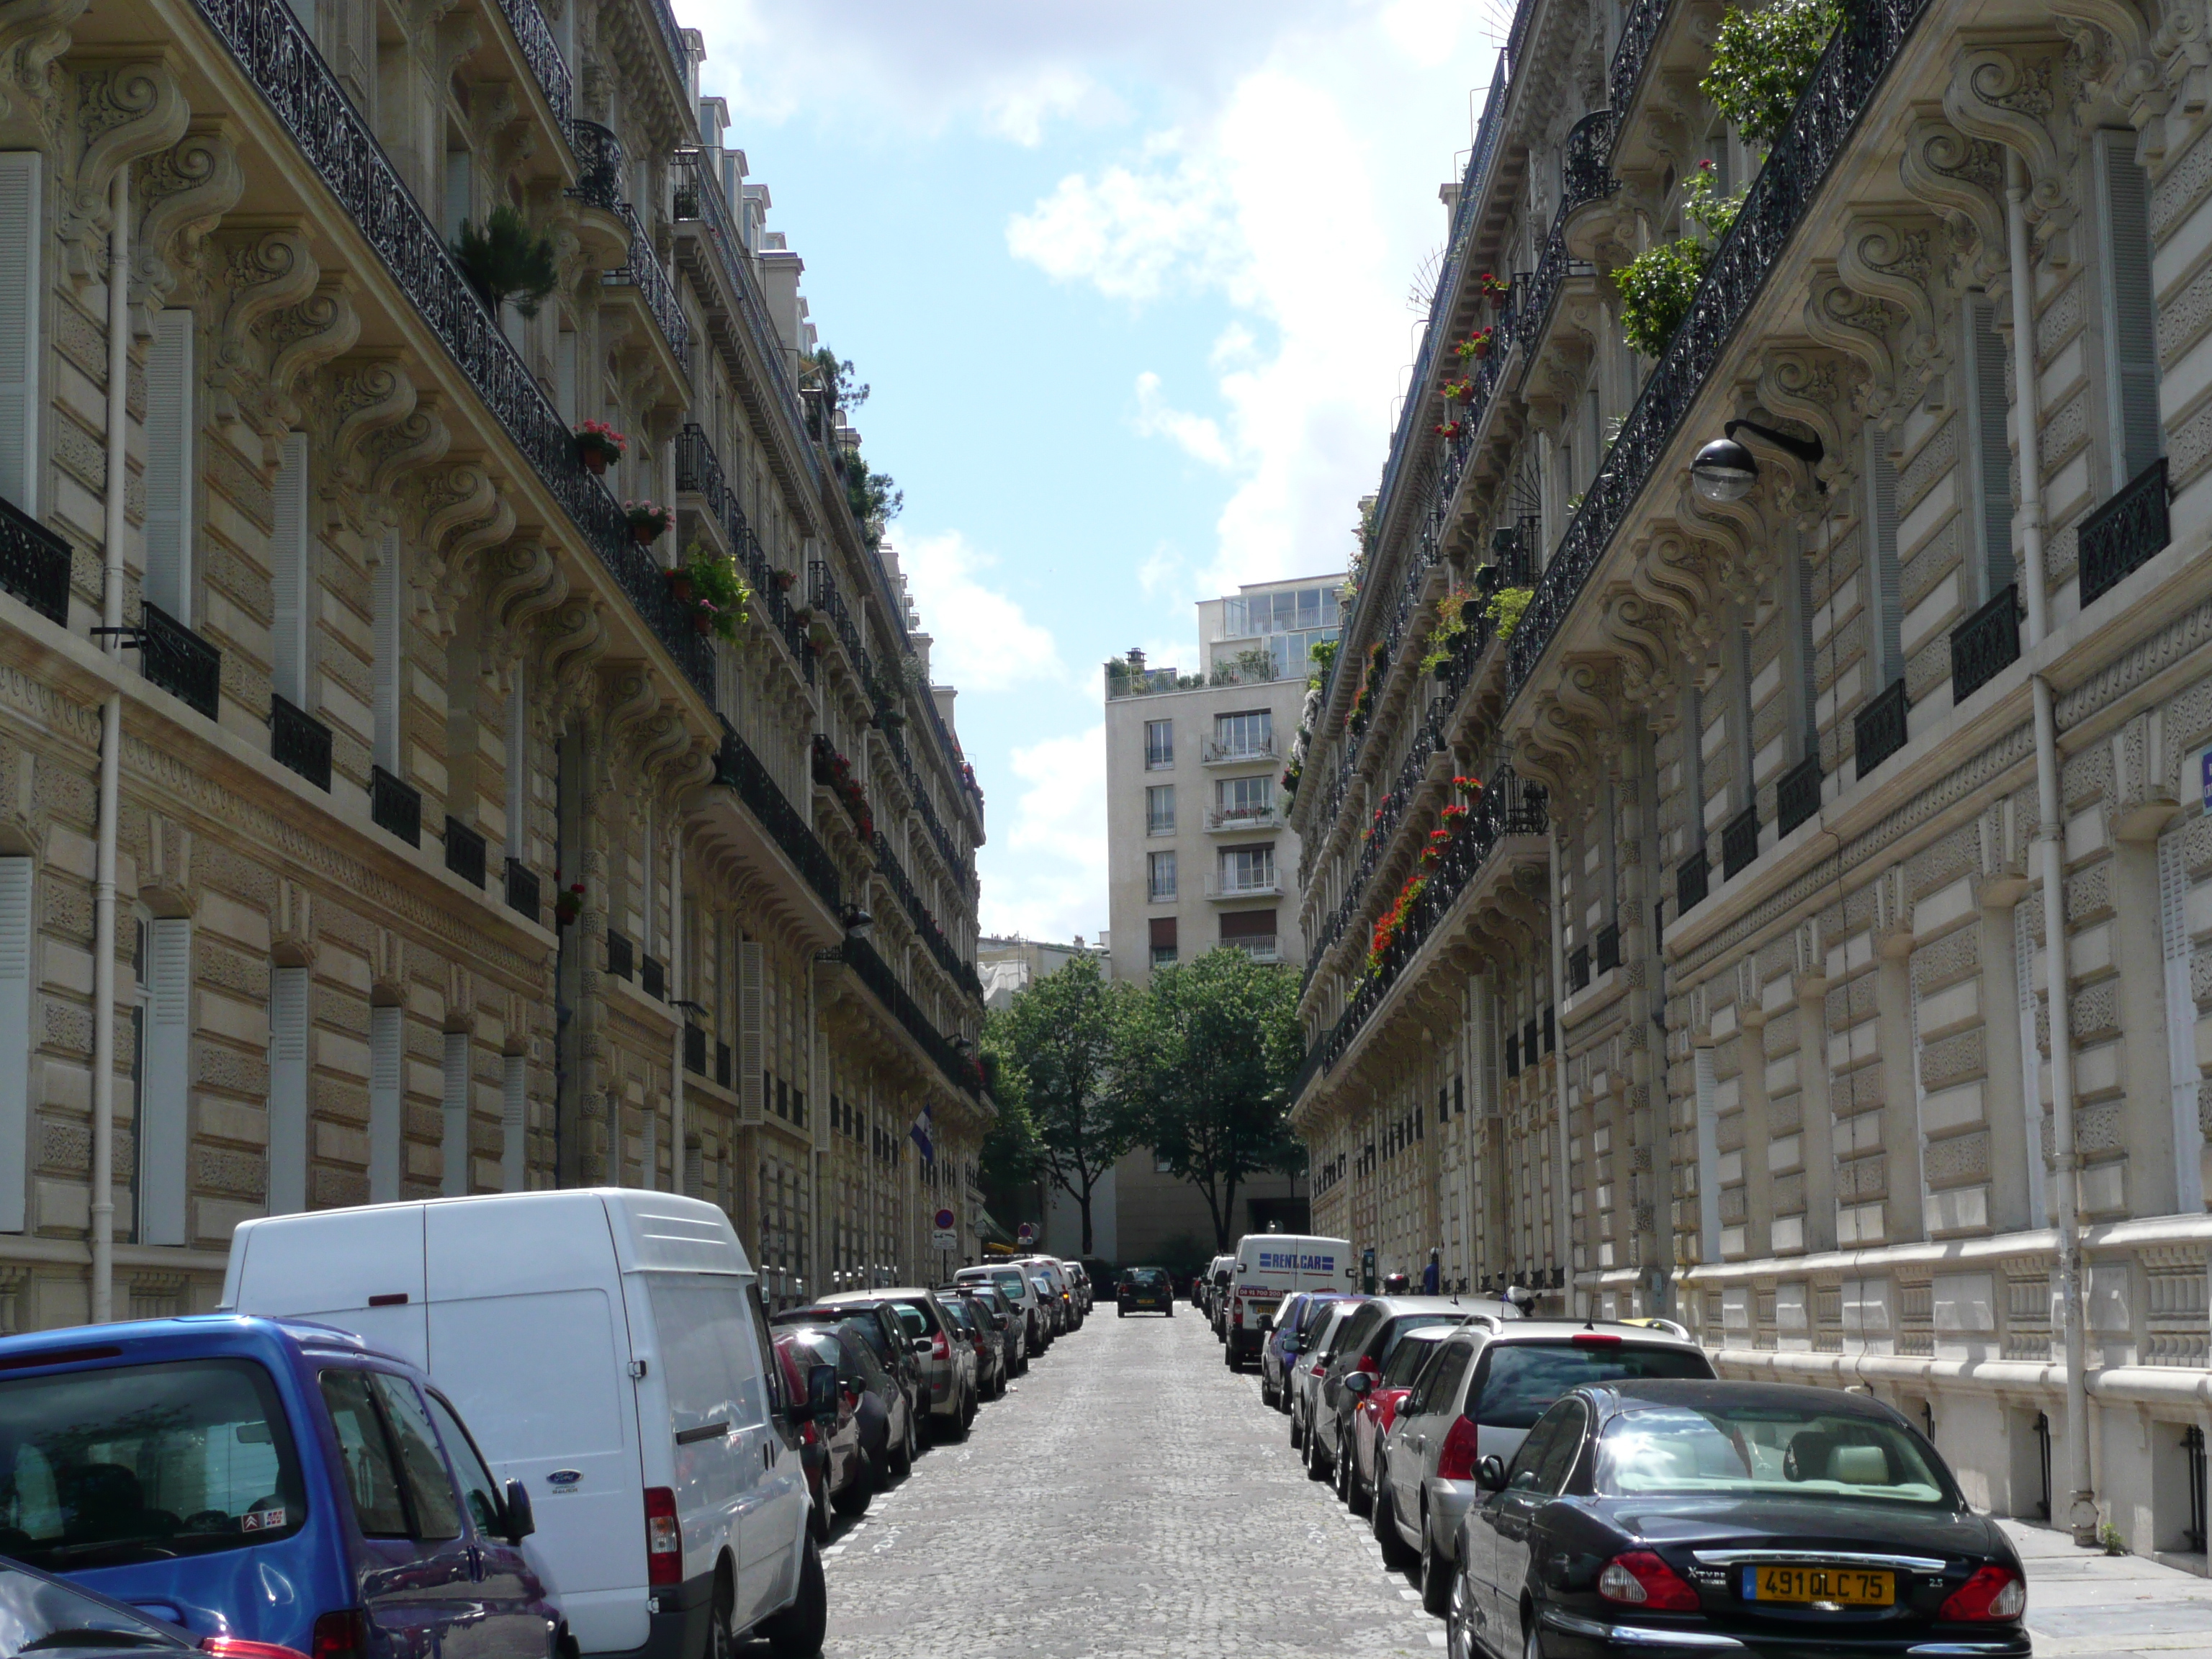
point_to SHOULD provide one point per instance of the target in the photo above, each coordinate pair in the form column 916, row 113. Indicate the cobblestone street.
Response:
column 1130, row 1497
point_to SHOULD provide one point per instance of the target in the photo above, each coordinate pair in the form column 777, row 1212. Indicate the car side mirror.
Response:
column 922, row 1344
column 521, row 1520
column 1490, row 1474
column 1359, row 1384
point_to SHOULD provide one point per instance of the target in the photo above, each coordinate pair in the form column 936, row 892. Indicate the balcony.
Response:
column 1984, row 645
column 1259, row 947
column 1222, row 886
column 1123, row 681
column 1217, row 753
column 695, row 1050
column 1879, row 731
column 738, row 767
column 522, row 895
column 274, row 51
column 395, row 806
column 1608, row 948
column 699, row 472
column 1223, row 818
column 958, row 1070
column 2124, row 532
column 464, row 851
column 620, row 961
column 1797, row 796
column 34, row 563
column 652, row 977
column 179, row 661
column 1692, row 878
column 1740, row 841
column 298, row 740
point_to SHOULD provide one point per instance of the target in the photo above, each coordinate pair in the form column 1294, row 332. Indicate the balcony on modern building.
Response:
column 1221, row 887
column 1239, row 751
column 1223, row 819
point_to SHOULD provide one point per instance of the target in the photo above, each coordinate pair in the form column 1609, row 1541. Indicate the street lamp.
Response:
column 859, row 924
column 1724, row 470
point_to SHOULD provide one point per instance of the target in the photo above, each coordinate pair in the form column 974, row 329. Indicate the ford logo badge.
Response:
column 564, row 1477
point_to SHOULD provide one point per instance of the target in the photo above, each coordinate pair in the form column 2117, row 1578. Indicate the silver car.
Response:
column 1477, row 1398
column 947, row 1357
column 1302, row 1382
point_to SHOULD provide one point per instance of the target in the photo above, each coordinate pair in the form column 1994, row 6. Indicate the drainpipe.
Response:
column 111, row 758
column 1563, row 1200
column 679, row 987
column 2049, row 853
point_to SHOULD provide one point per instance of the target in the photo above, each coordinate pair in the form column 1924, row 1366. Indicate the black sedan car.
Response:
column 1145, row 1290
column 1723, row 1517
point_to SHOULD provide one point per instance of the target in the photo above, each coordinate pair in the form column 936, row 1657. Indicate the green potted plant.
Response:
column 648, row 523
column 598, row 445
column 505, row 259
column 720, row 601
column 568, row 905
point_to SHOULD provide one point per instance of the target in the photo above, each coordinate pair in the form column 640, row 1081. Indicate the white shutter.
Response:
column 2181, row 1025
column 456, row 1184
column 15, row 933
column 384, row 688
column 164, row 1097
column 386, row 1035
column 1992, row 452
column 2031, row 1065
column 752, row 972
column 1709, row 1159
column 21, row 236
column 514, row 1108
column 1883, row 635
column 169, row 464
column 288, row 573
column 2130, row 310
column 288, row 1090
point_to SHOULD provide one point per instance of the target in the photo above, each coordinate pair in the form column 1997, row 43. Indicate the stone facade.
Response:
column 1730, row 998
column 448, row 855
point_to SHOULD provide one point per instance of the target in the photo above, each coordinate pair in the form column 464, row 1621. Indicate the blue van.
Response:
column 267, row 1482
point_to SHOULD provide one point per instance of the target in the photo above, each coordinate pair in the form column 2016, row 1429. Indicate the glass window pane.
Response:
column 437, row 1514
column 478, row 1490
column 372, row 1479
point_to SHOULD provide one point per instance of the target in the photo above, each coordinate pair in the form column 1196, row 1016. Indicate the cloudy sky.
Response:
column 1130, row 284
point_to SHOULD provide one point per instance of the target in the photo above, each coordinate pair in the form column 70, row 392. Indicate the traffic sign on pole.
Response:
column 945, row 1221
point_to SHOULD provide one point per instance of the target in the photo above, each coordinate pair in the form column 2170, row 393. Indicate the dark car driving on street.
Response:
column 1145, row 1290
column 1759, row 1519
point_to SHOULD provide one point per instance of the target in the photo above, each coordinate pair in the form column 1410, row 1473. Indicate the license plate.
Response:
column 1843, row 1587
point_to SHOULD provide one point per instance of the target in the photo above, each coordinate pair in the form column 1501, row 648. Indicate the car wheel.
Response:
column 1384, row 1517
column 721, row 1627
column 952, row 1429
column 1437, row 1574
column 1232, row 1358
column 1170, row 1310
column 860, row 1491
column 1317, row 1465
column 797, row 1631
column 817, row 1519
column 1358, row 1495
column 1343, row 1477
column 1459, row 1620
column 1124, row 1312
column 1532, row 1642
column 1297, row 1430
column 1266, row 1388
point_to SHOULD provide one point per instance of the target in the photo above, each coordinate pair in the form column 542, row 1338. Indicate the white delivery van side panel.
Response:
column 360, row 1270
column 529, row 1338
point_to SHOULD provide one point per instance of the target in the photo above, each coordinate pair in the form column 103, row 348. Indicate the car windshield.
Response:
column 1781, row 1451
column 105, row 1468
column 1148, row 1278
column 1011, row 1284
column 1524, row 1378
column 38, row 1615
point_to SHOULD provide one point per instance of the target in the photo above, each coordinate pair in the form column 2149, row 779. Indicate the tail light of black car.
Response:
column 1638, row 1578
column 1992, row 1594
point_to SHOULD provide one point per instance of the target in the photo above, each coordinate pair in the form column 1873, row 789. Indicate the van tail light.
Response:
column 1640, row 1579
column 1992, row 1593
column 664, row 1539
column 342, row 1634
column 1239, row 1310
column 1455, row 1458
column 237, row 1647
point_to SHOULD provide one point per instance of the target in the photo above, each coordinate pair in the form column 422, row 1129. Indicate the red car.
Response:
column 1378, row 1409
column 836, row 1467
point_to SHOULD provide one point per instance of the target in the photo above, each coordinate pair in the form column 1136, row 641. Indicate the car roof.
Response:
column 1394, row 1305
column 1627, row 1394
column 1553, row 1330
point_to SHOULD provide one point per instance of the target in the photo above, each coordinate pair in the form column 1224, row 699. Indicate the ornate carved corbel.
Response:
column 1894, row 259
column 266, row 271
column 2009, row 95
column 1860, row 326
column 33, row 35
column 124, row 111
column 301, row 339
column 183, row 191
column 1962, row 178
column 1813, row 388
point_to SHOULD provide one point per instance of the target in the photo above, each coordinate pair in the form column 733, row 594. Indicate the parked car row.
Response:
column 1569, row 1487
column 532, row 1425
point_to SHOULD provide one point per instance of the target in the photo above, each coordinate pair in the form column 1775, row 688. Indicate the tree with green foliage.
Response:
column 504, row 259
column 1210, row 1050
column 1060, row 1046
column 1762, row 62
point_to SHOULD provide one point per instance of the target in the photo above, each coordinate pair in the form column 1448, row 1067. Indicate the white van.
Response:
column 608, row 1346
column 1268, row 1267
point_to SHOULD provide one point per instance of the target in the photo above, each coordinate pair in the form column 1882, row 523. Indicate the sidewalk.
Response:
column 2082, row 1604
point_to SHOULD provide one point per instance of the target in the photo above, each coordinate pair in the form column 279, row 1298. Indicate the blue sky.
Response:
column 1131, row 286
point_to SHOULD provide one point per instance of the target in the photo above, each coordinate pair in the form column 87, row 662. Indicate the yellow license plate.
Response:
column 1843, row 1587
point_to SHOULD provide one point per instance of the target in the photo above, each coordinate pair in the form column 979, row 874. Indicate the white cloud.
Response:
column 1198, row 436
column 1046, row 877
column 1134, row 235
column 983, row 639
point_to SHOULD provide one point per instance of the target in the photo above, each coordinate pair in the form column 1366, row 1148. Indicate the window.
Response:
column 514, row 1105
column 1248, row 869
column 1989, row 452
column 1159, row 810
column 1884, row 620
column 288, row 1090
column 387, row 595
column 386, row 1035
column 371, row 1478
column 169, row 382
column 2131, row 309
column 1243, row 736
column 15, row 1037
column 1244, row 797
column 456, row 1109
column 161, row 1127
column 1160, row 876
column 1252, row 932
column 291, row 584
column 1163, row 940
column 21, row 239
column 429, row 1491
column 479, row 1490
column 1159, row 745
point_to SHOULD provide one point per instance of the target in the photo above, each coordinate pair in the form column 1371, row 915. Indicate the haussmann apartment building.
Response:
column 1820, row 950
column 377, row 819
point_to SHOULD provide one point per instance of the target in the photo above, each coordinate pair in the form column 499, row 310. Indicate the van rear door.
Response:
column 540, row 1373
column 363, row 1273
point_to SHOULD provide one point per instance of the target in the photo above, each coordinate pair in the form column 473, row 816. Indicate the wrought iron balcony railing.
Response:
column 1692, row 879
column 1740, row 841
column 699, row 471
column 1879, row 729
column 652, row 977
column 1608, row 948
column 962, row 1072
column 925, row 924
column 822, row 593
column 464, row 851
column 643, row 272
column 1639, row 32
column 395, row 806
column 522, row 893
column 2116, row 539
column 1797, row 795
column 298, row 740
column 738, row 767
column 1984, row 645
column 547, row 66
column 179, row 661
column 34, row 563
column 621, row 958
column 273, row 48
column 599, row 169
column 1585, row 172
